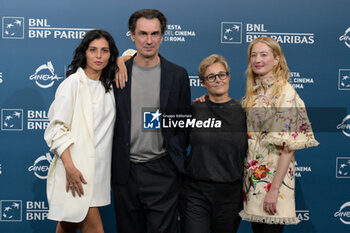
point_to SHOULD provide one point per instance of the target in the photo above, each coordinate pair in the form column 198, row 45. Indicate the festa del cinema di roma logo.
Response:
column 44, row 76
column 175, row 33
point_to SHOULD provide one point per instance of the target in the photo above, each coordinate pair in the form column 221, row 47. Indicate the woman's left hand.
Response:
column 270, row 202
column 121, row 76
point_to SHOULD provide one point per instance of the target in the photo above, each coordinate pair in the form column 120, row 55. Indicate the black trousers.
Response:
column 210, row 207
column 148, row 202
column 266, row 228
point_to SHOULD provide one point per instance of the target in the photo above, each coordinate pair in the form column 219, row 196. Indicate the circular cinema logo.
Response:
column 346, row 37
column 344, row 213
column 41, row 166
column 45, row 76
column 345, row 126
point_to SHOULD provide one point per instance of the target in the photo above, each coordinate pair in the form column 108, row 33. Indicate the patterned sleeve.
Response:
column 289, row 124
column 129, row 52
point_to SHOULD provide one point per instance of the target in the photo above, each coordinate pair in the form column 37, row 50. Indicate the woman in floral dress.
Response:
column 277, row 126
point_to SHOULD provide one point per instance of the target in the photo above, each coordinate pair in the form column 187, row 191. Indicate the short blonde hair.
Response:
column 208, row 61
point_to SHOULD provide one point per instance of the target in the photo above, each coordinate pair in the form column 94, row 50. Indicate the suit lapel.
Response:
column 166, row 81
column 123, row 96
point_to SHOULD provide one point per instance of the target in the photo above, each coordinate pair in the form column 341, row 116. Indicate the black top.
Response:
column 217, row 154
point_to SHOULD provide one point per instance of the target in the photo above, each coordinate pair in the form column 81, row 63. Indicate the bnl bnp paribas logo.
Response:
column 303, row 215
column 12, row 27
column 18, row 119
column 45, row 76
column 15, row 28
column 232, row 33
column 195, row 81
column 152, row 119
column 11, row 211
column 344, row 79
column 343, row 167
column 12, row 119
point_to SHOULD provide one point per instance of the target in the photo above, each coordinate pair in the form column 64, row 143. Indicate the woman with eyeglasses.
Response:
column 211, row 195
column 277, row 126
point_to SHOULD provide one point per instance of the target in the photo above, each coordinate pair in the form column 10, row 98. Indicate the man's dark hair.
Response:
column 148, row 14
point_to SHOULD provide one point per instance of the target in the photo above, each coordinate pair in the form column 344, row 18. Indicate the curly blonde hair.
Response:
column 280, row 71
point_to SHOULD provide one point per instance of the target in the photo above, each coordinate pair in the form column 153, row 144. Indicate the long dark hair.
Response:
column 79, row 60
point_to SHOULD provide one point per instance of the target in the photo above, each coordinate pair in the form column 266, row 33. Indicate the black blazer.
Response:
column 175, row 98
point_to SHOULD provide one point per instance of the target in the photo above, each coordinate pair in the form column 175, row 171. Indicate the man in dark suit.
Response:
column 146, row 164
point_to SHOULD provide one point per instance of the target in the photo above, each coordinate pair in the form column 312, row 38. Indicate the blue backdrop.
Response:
column 37, row 42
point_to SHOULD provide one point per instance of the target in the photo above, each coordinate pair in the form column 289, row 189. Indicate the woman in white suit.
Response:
column 80, row 135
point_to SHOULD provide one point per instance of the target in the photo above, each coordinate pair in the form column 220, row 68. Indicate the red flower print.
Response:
column 290, row 171
column 244, row 197
column 267, row 187
column 303, row 127
column 252, row 165
column 252, row 162
column 261, row 172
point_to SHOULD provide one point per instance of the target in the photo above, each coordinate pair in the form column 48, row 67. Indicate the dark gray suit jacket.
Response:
column 175, row 98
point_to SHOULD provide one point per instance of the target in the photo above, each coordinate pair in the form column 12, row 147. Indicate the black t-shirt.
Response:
column 217, row 154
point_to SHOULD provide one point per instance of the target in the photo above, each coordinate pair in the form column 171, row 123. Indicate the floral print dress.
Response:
column 273, row 123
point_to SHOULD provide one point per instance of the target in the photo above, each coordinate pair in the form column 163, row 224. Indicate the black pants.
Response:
column 266, row 228
column 210, row 207
column 148, row 202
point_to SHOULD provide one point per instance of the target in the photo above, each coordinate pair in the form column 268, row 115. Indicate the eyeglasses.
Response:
column 212, row 77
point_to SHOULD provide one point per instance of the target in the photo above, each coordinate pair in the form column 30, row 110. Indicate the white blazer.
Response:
column 71, row 125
